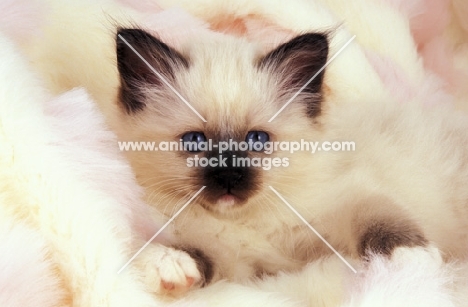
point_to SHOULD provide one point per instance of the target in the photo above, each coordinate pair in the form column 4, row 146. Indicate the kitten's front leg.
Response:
column 373, row 225
column 379, row 226
column 384, row 236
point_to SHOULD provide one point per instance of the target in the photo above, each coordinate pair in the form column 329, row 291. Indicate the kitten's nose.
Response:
column 228, row 178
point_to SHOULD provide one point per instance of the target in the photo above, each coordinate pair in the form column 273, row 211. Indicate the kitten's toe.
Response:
column 168, row 270
column 384, row 237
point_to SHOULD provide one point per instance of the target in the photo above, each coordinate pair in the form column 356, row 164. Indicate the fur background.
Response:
column 70, row 210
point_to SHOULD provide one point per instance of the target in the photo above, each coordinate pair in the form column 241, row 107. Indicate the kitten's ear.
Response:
column 135, row 74
column 296, row 62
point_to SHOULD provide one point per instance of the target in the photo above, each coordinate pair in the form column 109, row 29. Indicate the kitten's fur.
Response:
column 405, row 185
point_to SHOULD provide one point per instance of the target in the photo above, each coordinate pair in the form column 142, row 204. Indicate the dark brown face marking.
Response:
column 236, row 180
column 384, row 236
column 135, row 73
column 204, row 264
column 296, row 62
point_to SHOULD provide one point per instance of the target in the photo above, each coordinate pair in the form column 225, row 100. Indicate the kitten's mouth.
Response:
column 223, row 201
column 227, row 200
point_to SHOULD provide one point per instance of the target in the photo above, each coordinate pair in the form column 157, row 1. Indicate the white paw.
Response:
column 167, row 270
column 428, row 257
column 412, row 276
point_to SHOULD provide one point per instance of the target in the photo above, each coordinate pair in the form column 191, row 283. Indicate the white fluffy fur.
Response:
column 413, row 277
column 27, row 276
column 63, row 177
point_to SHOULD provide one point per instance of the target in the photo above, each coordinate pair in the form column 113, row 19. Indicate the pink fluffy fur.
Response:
column 430, row 92
column 267, row 34
column 20, row 19
column 68, row 112
column 428, row 20
column 172, row 25
column 142, row 5
column 393, row 76
column 27, row 278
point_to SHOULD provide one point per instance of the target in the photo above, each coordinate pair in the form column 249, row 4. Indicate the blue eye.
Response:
column 192, row 141
column 258, row 138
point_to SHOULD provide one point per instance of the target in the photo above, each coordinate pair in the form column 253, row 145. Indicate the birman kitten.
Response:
column 404, row 184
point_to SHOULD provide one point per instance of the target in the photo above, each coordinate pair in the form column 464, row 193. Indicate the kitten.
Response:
column 404, row 185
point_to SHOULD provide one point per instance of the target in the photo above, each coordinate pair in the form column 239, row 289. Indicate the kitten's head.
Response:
column 236, row 90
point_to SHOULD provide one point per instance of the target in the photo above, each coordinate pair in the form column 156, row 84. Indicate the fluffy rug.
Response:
column 71, row 212
column 70, row 208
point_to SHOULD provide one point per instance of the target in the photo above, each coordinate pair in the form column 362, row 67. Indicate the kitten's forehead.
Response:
column 224, row 82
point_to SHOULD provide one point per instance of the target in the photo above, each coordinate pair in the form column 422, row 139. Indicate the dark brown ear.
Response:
column 143, row 61
column 295, row 63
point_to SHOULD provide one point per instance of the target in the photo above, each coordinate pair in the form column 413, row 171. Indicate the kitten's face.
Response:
column 237, row 91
